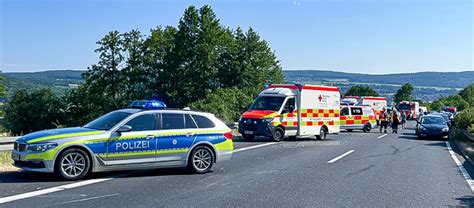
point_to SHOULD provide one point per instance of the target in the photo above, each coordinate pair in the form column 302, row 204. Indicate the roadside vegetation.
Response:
column 6, row 162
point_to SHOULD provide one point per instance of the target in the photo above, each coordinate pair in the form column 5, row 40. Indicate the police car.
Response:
column 146, row 135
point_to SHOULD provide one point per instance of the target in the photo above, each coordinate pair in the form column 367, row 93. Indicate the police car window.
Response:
column 345, row 112
column 172, row 121
column 203, row 122
column 189, row 122
column 367, row 111
column 107, row 121
column 145, row 122
column 356, row 111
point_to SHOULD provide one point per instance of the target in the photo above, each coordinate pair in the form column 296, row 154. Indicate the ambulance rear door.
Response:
column 319, row 107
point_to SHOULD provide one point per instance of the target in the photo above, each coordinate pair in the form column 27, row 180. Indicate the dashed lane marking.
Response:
column 382, row 136
column 340, row 157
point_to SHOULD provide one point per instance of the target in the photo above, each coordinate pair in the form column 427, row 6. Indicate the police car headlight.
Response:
column 42, row 147
column 445, row 129
column 268, row 120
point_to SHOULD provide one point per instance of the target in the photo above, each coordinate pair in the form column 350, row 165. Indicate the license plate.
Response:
column 16, row 157
column 248, row 132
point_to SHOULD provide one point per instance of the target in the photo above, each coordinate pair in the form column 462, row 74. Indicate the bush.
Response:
column 465, row 118
column 32, row 111
column 226, row 103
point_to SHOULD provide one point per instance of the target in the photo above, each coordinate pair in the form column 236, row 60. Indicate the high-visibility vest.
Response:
column 383, row 116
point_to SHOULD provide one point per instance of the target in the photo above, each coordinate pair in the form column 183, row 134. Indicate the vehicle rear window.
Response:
column 189, row 122
column 172, row 121
column 203, row 122
column 345, row 112
column 145, row 122
column 356, row 111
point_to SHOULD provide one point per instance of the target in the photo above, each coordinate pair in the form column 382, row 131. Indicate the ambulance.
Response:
column 292, row 110
column 377, row 103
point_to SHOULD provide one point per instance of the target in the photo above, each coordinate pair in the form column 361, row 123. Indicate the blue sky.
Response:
column 364, row 36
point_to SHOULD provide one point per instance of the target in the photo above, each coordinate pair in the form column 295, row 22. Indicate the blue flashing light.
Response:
column 148, row 104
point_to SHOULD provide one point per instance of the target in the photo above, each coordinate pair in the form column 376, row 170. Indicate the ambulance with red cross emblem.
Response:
column 377, row 104
column 292, row 110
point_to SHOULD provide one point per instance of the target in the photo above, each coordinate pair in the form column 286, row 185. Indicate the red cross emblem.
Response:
column 320, row 98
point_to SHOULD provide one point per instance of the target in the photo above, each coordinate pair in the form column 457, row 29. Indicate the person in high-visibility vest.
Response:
column 383, row 117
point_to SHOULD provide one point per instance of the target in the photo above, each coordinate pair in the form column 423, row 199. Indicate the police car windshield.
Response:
column 267, row 103
column 107, row 121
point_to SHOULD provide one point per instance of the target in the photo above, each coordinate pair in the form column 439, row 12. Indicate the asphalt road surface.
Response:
column 348, row 169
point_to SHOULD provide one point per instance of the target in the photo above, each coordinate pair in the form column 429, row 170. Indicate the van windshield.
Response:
column 267, row 103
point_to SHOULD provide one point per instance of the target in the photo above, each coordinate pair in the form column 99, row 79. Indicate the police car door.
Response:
column 177, row 134
column 137, row 145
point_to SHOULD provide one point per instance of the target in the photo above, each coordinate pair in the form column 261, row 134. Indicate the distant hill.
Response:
column 59, row 81
column 428, row 85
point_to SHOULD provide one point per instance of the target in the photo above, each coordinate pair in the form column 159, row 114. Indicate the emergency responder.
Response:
column 404, row 120
column 383, row 117
column 395, row 120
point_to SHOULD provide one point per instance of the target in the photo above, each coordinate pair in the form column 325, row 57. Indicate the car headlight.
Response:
column 42, row 147
column 445, row 129
column 268, row 120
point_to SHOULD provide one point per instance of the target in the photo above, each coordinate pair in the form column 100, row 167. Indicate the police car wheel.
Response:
column 72, row 164
column 367, row 128
column 278, row 134
column 322, row 134
column 201, row 160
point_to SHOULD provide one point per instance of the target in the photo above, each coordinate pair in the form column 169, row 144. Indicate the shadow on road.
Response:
column 466, row 201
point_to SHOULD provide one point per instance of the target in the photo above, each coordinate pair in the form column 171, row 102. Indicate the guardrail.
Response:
column 7, row 140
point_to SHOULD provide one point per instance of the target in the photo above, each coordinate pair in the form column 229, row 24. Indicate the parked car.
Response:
column 432, row 126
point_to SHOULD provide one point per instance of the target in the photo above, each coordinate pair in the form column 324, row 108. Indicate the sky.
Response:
column 361, row 36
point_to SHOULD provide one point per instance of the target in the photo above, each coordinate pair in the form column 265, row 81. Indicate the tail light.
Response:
column 228, row 135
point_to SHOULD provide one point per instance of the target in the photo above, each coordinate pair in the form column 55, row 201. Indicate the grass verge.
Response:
column 6, row 162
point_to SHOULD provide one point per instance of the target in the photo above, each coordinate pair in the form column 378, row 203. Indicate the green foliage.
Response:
column 183, row 65
column 226, row 103
column 404, row 93
column 361, row 90
column 468, row 94
column 465, row 118
column 33, row 111
column 452, row 100
column 3, row 89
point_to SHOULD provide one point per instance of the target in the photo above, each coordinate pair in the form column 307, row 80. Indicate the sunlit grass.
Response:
column 6, row 162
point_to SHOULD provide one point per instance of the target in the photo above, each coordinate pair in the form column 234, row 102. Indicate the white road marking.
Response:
column 81, row 200
column 88, row 182
column 382, row 136
column 340, row 157
column 51, row 190
column 253, row 147
column 466, row 175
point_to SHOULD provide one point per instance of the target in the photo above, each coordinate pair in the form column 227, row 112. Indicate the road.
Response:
column 374, row 171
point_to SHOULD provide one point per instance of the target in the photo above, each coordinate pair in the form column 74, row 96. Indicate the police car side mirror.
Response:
column 124, row 128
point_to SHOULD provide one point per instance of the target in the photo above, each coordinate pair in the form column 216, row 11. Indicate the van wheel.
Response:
column 248, row 137
column 367, row 127
column 278, row 134
column 200, row 160
column 72, row 164
column 322, row 134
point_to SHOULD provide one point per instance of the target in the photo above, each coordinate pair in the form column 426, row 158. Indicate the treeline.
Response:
column 200, row 63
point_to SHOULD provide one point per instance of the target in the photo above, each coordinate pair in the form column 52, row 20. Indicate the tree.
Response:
column 361, row 90
column 404, row 93
column 468, row 94
column 32, row 111
column 3, row 89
